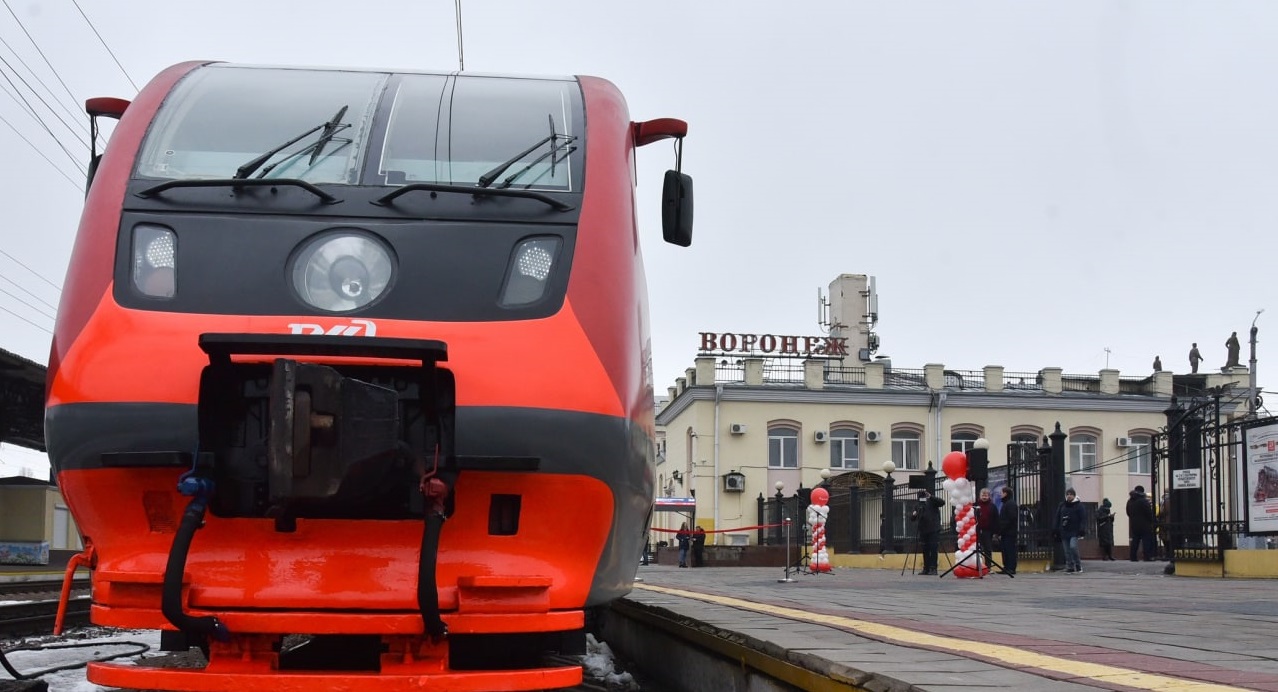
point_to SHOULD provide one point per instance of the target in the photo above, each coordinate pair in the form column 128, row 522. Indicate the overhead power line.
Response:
column 28, row 291
column 69, row 125
column 74, row 101
column 36, row 273
column 104, row 45
column 41, row 153
column 46, row 330
column 38, row 309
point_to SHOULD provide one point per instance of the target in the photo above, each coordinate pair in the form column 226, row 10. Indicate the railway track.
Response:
column 40, row 586
column 37, row 611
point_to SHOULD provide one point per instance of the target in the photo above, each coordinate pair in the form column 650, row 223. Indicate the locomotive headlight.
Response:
column 342, row 271
column 530, row 267
column 154, row 261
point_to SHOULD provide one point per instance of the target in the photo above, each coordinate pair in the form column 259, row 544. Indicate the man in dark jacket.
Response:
column 928, row 516
column 1140, row 522
column 1070, row 527
column 1009, row 515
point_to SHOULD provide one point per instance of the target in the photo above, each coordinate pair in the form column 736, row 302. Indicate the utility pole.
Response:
column 1252, row 407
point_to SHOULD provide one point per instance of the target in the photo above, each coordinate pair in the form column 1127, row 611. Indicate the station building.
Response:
column 34, row 518
column 759, row 414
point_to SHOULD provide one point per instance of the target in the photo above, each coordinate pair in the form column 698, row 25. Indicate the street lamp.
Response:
column 978, row 462
column 885, row 530
column 784, row 521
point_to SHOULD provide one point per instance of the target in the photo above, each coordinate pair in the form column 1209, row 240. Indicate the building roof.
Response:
column 21, row 401
column 23, row 480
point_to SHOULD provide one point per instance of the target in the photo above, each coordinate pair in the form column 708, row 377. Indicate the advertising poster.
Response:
column 1260, row 474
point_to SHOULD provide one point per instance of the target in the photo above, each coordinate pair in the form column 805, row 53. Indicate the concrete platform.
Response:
column 1118, row 625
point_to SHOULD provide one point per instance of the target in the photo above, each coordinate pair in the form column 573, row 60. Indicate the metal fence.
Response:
column 1196, row 489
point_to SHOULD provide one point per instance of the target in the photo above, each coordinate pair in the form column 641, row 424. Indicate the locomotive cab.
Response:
column 334, row 349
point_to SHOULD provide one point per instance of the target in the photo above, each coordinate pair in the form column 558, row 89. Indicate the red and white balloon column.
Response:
column 818, row 512
column 962, row 494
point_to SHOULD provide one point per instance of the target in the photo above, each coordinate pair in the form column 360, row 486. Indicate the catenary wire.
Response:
column 70, row 126
column 42, row 311
column 44, row 125
column 74, row 101
column 41, row 153
column 28, row 291
column 46, row 330
column 104, row 45
column 38, row 274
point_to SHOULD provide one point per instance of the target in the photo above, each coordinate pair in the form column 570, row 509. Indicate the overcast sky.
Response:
column 1032, row 183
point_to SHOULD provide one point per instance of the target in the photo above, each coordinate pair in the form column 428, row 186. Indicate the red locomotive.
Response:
column 350, row 385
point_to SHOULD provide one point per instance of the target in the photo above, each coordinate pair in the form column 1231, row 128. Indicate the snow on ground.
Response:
column 102, row 642
column 599, row 663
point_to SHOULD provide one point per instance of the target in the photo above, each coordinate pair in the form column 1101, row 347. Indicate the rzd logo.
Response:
column 355, row 328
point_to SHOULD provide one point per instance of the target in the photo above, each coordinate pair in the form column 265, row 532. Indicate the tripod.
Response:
column 978, row 552
column 912, row 558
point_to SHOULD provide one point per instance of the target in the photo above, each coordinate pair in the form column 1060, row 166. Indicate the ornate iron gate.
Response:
column 1196, row 487
column 1025, row 466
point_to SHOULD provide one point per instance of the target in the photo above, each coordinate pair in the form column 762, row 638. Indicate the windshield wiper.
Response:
column 486, row 180
column 331, row 128
column 247, row 169
column 554, row 160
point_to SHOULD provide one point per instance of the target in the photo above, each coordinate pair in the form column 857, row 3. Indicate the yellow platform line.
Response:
column 1011, row 656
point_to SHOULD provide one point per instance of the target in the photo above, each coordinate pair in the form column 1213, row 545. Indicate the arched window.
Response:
column 1082, row 452
column 1138, row 454
column 1026, row 435
column 783, row 447
column 1028, row 439
column 845, row 448
column 906, row 449
column 963, row 441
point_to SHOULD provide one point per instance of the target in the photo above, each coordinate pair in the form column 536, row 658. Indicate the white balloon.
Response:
column 948, row 485
column 961, row 483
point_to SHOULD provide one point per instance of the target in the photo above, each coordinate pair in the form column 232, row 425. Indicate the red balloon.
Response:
column 954, row 465
column 820, row 496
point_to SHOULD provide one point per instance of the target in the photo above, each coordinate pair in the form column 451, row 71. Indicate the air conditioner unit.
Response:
column 821, row 436
column 1125, row 442
column 737, row 428
column 873, row 436
column 734, row 482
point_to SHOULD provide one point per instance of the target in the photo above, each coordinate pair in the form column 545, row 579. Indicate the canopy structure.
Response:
column 686, row 506
column 21, row 401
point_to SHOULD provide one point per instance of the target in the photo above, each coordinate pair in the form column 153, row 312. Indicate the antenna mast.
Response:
column 461, row 61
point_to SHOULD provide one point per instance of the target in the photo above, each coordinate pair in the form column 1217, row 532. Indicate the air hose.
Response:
column 436, row 491
column 199, row 489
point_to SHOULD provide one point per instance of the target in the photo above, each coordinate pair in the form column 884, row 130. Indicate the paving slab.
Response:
column 1118, row 625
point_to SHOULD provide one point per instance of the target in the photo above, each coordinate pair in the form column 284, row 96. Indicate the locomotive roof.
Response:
column 374, row 70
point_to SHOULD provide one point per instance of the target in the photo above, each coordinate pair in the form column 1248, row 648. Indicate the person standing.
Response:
column 698, row 547
column 1158, row 364
column 928, row 516
column 1070, row 527
column 1140, row 522
column 1194, row 358
column 1009, row 515
column 986, row 524
column 684, row 538
column 1105, row 529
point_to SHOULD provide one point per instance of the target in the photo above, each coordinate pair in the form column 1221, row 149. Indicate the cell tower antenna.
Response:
column 461, row 61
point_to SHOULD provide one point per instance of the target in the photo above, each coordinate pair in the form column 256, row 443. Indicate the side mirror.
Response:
column 676, row 208
column 100, row 107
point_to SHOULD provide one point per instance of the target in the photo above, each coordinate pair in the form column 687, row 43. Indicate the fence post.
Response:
column 762, row 518
column 1054, row 491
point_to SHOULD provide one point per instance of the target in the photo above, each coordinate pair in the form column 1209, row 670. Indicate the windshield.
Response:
column 369, row 128
column 490, row 122
column 221, row 117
